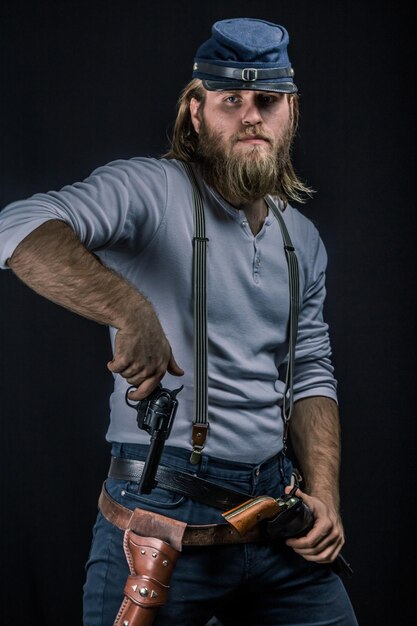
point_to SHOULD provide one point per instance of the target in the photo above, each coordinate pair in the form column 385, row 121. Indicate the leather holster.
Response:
column 151, row 561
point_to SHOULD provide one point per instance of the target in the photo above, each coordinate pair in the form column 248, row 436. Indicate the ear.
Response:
column 194, row 108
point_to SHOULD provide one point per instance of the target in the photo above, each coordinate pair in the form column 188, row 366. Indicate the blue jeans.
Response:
column 242, row 585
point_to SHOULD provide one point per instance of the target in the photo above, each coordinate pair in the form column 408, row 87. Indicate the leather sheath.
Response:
column 151, row 563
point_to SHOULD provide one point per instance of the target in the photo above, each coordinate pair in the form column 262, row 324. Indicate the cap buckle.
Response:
column 249, row 74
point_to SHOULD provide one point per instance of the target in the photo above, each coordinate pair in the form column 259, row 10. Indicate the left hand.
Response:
column 325, row 540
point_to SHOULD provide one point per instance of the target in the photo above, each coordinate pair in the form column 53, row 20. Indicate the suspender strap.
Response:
column 200, row 424
column 294, row 287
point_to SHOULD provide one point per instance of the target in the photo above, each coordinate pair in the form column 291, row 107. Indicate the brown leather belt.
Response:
column 194, row 535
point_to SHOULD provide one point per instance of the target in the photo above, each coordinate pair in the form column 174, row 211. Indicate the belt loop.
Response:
column 116, row 449
column 256, row 472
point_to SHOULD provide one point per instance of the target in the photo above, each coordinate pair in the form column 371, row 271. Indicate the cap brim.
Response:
column 231, row 85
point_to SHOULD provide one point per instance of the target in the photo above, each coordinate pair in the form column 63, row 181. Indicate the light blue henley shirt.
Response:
column 137, row 216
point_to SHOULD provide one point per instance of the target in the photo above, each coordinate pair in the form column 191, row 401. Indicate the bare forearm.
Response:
column 315, row 436
column 53, row 262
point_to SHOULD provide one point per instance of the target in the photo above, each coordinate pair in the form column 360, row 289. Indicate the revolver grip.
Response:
column 248, row 514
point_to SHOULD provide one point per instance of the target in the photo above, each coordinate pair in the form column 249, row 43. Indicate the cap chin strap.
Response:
column 200, row 423
column 249, row 74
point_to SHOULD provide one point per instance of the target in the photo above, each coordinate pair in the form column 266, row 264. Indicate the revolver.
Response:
column 155, row 414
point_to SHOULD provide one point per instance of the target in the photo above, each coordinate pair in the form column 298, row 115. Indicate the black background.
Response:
column 84, row 83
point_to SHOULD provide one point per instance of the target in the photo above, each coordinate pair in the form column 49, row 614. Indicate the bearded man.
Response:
column 210, row 281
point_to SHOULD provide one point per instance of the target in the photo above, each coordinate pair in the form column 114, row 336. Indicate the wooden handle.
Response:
column 248, row 514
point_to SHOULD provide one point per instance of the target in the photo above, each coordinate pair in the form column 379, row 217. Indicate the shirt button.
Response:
column 257, row 261
column 244, row 223
column 257, row 472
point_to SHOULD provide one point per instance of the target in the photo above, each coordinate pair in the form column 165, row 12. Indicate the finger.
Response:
column 135, row 373
column 321, row 535
column 139, row 377
column 117, row 366
column 327, row 555
column 310, row 544
column 173, row 367
column 144, row 389
column 298, row 493
column 325, row 542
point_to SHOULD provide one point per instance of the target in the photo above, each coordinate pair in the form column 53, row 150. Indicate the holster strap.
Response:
column 193, row 535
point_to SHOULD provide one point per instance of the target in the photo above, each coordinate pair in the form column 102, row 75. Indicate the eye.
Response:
column 268, row 99
column 232, row 99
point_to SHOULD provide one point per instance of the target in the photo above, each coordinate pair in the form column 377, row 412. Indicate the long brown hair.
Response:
column 184, row 141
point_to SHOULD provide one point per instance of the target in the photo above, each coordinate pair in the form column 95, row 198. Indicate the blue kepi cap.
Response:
column 245, row 53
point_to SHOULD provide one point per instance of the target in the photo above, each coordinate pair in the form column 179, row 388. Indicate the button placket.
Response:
column 256, row 262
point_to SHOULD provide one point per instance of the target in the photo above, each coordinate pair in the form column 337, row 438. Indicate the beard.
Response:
column 242, row 176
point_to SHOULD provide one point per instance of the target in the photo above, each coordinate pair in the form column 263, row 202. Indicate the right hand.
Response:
column 143, row 356
column 324, row 541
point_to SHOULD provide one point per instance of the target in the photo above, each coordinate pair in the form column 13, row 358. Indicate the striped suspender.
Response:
column 200, row 423
column 294, row 287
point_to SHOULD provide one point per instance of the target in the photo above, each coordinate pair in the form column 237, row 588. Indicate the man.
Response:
column 118, row 248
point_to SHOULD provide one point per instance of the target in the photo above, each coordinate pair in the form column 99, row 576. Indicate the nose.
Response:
column 251, row 114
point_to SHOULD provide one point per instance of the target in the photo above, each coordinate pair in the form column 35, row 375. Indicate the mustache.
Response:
column 251, row 134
